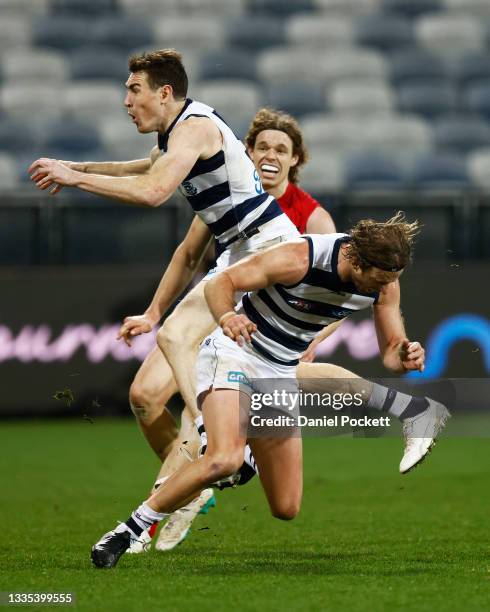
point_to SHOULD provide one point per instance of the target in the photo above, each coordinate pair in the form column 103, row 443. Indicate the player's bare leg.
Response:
column 152, row 388
column 223, row 457
column 276, row 457
column 179, row 339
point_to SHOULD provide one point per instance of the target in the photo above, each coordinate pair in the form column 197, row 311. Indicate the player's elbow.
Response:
column 154, row 198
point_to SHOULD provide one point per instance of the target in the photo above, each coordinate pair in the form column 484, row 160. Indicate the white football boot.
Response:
column 420, row 433
column 140, row 545
column 179, row 522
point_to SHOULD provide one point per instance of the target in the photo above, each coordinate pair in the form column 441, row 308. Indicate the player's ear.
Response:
column 294, row 160
column 166, row 92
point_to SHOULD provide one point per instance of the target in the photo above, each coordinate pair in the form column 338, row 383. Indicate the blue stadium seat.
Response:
column 427, row 99
column 227, row 64
column 94, row 8
column 123, row 32
column 299, row 100
column 461, row 134
column 106, row 63
column 384, row 32
column 414, row 65
column 477, row 98
column 370, row 170
column 471, row 67
column 438, row 171
column 72, row 136
column 411, row 8
column 279, row 7
column 62, row 32
column 255, row 33
column 16, row 135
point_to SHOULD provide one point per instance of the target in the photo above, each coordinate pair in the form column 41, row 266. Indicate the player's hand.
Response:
column 239, row 328
column 310, row 354
column 412, row 355
column 53, row 173
column 134, row 326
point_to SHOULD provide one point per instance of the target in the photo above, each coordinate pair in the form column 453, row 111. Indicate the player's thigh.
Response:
column 280, row 463
column 154, row 380
column 225, row 421
column 190, row 321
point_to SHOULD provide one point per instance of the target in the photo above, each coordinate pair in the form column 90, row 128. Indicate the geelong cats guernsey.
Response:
column 225, row 190
column 289, row 317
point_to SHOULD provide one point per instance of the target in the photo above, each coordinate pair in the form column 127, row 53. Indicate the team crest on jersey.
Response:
column 189, row 188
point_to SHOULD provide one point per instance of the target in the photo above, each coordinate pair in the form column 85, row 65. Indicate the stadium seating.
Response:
column 30, row 100
column 477, row 99
column 237, row 101
column 324, row 172
column 353, row 64
column 384, row 32
column 427, row 99
column 24, row 7
column 17, row 135
column 72, row 136
column 368, row 97
column 369, row 170
column 15, row 32
column 299, row 100
column 450, row 34
column 104, row 63
column 121, row 140
column 461, row 134
column 33, row 65
column 416, row 64
column 347, row 7
column 443, row 172
column 88, row 100
column 477, row 8
column 471, row 67
column 278, row 7
column 319, row 31
column 62, row 32
column 227, row 64
column 283, row 65
column 94, row 8
column 255, row 33
column 479, row 168
column 339, row 133
column 411, row 8
column 8, row 172
column 392, row 134
column 200, row 33
column 123, row 32
column 188, row 8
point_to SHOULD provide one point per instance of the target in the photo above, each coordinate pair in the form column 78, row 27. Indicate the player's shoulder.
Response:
column 302, row 196
column 323, row 247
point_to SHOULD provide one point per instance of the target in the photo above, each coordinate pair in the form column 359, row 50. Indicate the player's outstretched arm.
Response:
column 284, row 263
column 320, row 222
column 179, row 273
column 188, row 142
column 397, row 352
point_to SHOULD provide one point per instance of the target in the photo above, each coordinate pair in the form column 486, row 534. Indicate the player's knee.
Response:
column 221, row 465
column 145, row 402
column 287, row 510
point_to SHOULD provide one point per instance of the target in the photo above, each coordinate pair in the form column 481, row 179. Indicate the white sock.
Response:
column 143, row 518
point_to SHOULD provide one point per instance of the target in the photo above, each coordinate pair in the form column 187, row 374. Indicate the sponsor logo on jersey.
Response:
column 300, row 304
column 238, row 377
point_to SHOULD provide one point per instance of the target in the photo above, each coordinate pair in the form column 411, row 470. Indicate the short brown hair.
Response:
column 163, row 67
column 271, row 119
column 385, row 245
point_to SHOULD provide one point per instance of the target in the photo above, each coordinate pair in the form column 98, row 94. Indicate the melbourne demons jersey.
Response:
column 289, row 317
column 224, row 190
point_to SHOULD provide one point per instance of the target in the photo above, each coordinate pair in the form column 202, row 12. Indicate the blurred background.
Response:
column 393, row 97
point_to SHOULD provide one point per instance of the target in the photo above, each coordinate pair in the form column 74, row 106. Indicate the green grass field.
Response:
column 366, row 539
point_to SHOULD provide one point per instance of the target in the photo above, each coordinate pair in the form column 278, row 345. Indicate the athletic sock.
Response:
column 395, row 402
column 143, row 518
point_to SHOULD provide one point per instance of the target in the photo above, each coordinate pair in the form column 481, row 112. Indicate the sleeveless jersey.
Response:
column 289, row 317
column 224, row 190
column 298, row 206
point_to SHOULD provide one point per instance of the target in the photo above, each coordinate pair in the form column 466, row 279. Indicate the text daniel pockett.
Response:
column 338, row 420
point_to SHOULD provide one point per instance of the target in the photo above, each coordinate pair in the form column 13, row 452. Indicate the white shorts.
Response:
column 271, row 233
column 222, row 364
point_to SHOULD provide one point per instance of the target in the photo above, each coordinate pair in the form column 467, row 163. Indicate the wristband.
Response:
column 226, row 316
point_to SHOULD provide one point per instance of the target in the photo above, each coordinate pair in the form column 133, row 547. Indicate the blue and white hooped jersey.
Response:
column 224, row 190
column 289, row 317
